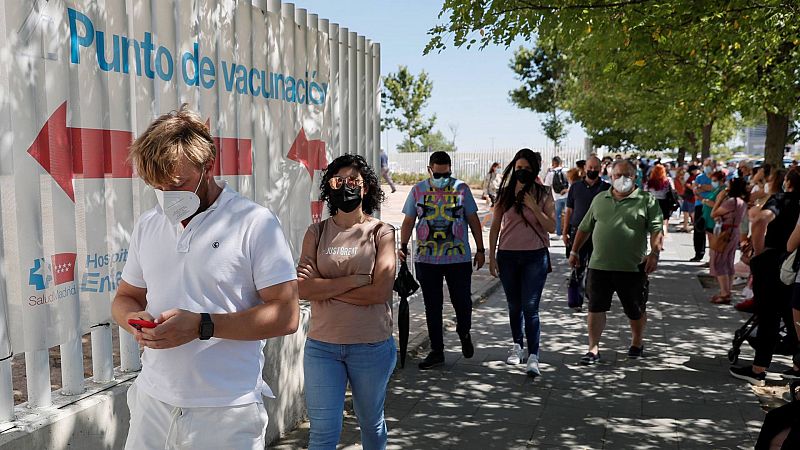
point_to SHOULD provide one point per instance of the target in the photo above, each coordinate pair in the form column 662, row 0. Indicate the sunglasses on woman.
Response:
column 336, row 183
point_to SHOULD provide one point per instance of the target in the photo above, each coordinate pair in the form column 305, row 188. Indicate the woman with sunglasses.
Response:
column 346, row 271
column 527, row 210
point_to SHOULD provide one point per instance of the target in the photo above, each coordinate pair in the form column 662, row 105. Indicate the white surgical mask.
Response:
column 623, row 185
column 178, row 205
column 715, row 184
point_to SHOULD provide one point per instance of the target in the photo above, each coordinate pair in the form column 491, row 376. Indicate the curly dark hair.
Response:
column 374, row 196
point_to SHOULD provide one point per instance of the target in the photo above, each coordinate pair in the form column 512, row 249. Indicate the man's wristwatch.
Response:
column 206, row 327
column 480, row 250
column 573, row 253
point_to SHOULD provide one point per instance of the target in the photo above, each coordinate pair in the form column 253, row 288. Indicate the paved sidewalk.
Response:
column 679, row 396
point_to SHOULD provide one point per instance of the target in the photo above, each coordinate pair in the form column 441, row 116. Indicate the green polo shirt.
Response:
column 619, row 229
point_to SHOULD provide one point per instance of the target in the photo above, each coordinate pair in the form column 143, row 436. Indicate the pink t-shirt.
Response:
column 342, row 252
column 516, row 234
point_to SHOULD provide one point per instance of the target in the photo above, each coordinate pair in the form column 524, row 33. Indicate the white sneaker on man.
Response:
column 516, row 355
column 533, row 366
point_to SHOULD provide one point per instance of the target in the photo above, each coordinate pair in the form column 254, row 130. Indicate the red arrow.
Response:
column 67, row 153
column 312, row 155
column 308, row 153
column 234, row 155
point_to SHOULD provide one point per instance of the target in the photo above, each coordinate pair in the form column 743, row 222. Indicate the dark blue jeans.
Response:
column 328, row 368
column 459, row 283
column 523, row 274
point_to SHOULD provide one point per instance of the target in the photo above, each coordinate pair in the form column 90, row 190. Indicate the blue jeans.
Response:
column 523, row 274
column 328, row 368
column 561, row 205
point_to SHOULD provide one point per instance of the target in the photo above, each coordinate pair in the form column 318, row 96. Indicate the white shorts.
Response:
column 156, row 425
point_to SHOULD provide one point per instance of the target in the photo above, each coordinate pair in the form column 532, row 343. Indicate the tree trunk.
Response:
column 692, row 137
column 681, row 155
column 777, row 129
column 706, row 149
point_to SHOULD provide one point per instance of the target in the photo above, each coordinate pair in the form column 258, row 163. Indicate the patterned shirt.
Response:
column 442, row 228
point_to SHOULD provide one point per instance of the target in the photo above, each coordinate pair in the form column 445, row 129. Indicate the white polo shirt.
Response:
column 216, row 264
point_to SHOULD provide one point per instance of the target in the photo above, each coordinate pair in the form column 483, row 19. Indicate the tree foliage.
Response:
column 541, row 71
column 403, row 101
column 654, row 74
column 429, row 142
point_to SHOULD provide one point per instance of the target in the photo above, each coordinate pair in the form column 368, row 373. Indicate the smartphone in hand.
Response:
column 141, row 323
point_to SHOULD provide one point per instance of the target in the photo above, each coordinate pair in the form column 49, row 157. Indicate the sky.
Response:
column 470, row 87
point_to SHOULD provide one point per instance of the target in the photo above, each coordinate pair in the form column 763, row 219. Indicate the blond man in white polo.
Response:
column 214, row 272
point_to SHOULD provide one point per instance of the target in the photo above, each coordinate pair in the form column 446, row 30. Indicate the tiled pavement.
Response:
column 679, row 396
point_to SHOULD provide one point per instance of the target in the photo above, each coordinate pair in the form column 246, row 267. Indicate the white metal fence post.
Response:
column 37, row 376
column 352, row 93
column 72, row 367
column 6, row 391
column 128, row 352
column 344, row 91
column 102, row 362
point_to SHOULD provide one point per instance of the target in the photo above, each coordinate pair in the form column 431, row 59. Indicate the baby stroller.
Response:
column 746, row 333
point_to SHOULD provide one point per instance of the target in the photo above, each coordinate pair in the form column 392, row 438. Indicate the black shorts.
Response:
column 631, row 287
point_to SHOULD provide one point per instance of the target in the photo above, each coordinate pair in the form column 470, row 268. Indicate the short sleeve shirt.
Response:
column 342, row 252
column 703, row 180
column 786, row 208
column 217, row 264
column 548, row 181
column 580, row 197
column 442, row 228
column 619, row 229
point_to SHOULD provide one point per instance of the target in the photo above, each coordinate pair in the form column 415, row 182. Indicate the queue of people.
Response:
column 203, row 329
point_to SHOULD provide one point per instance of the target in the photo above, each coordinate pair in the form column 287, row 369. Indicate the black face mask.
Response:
column 524, row 176
column 346, row 199
column 592, row 174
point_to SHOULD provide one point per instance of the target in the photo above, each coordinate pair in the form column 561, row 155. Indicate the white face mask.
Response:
column 178, row 205
column 623, row 185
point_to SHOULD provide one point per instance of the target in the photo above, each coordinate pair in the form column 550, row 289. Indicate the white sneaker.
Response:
column 533, row 366
column 515, row 355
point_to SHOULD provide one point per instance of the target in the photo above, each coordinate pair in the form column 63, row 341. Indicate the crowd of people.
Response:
column 210, row 275
column 745, row 217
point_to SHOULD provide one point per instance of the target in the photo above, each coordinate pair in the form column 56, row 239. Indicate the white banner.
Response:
column 80, row 80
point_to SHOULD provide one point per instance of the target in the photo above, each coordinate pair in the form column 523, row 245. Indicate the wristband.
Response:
column 480, row 250
column 573, row 253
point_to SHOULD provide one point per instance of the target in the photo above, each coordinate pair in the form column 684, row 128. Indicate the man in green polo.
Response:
column 618, row 222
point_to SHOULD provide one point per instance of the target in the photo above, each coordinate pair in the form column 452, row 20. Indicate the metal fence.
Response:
column 473, row 166
column 68, row 209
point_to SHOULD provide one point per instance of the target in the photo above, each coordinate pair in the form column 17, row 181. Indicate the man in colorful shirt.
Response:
column 442, row 207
